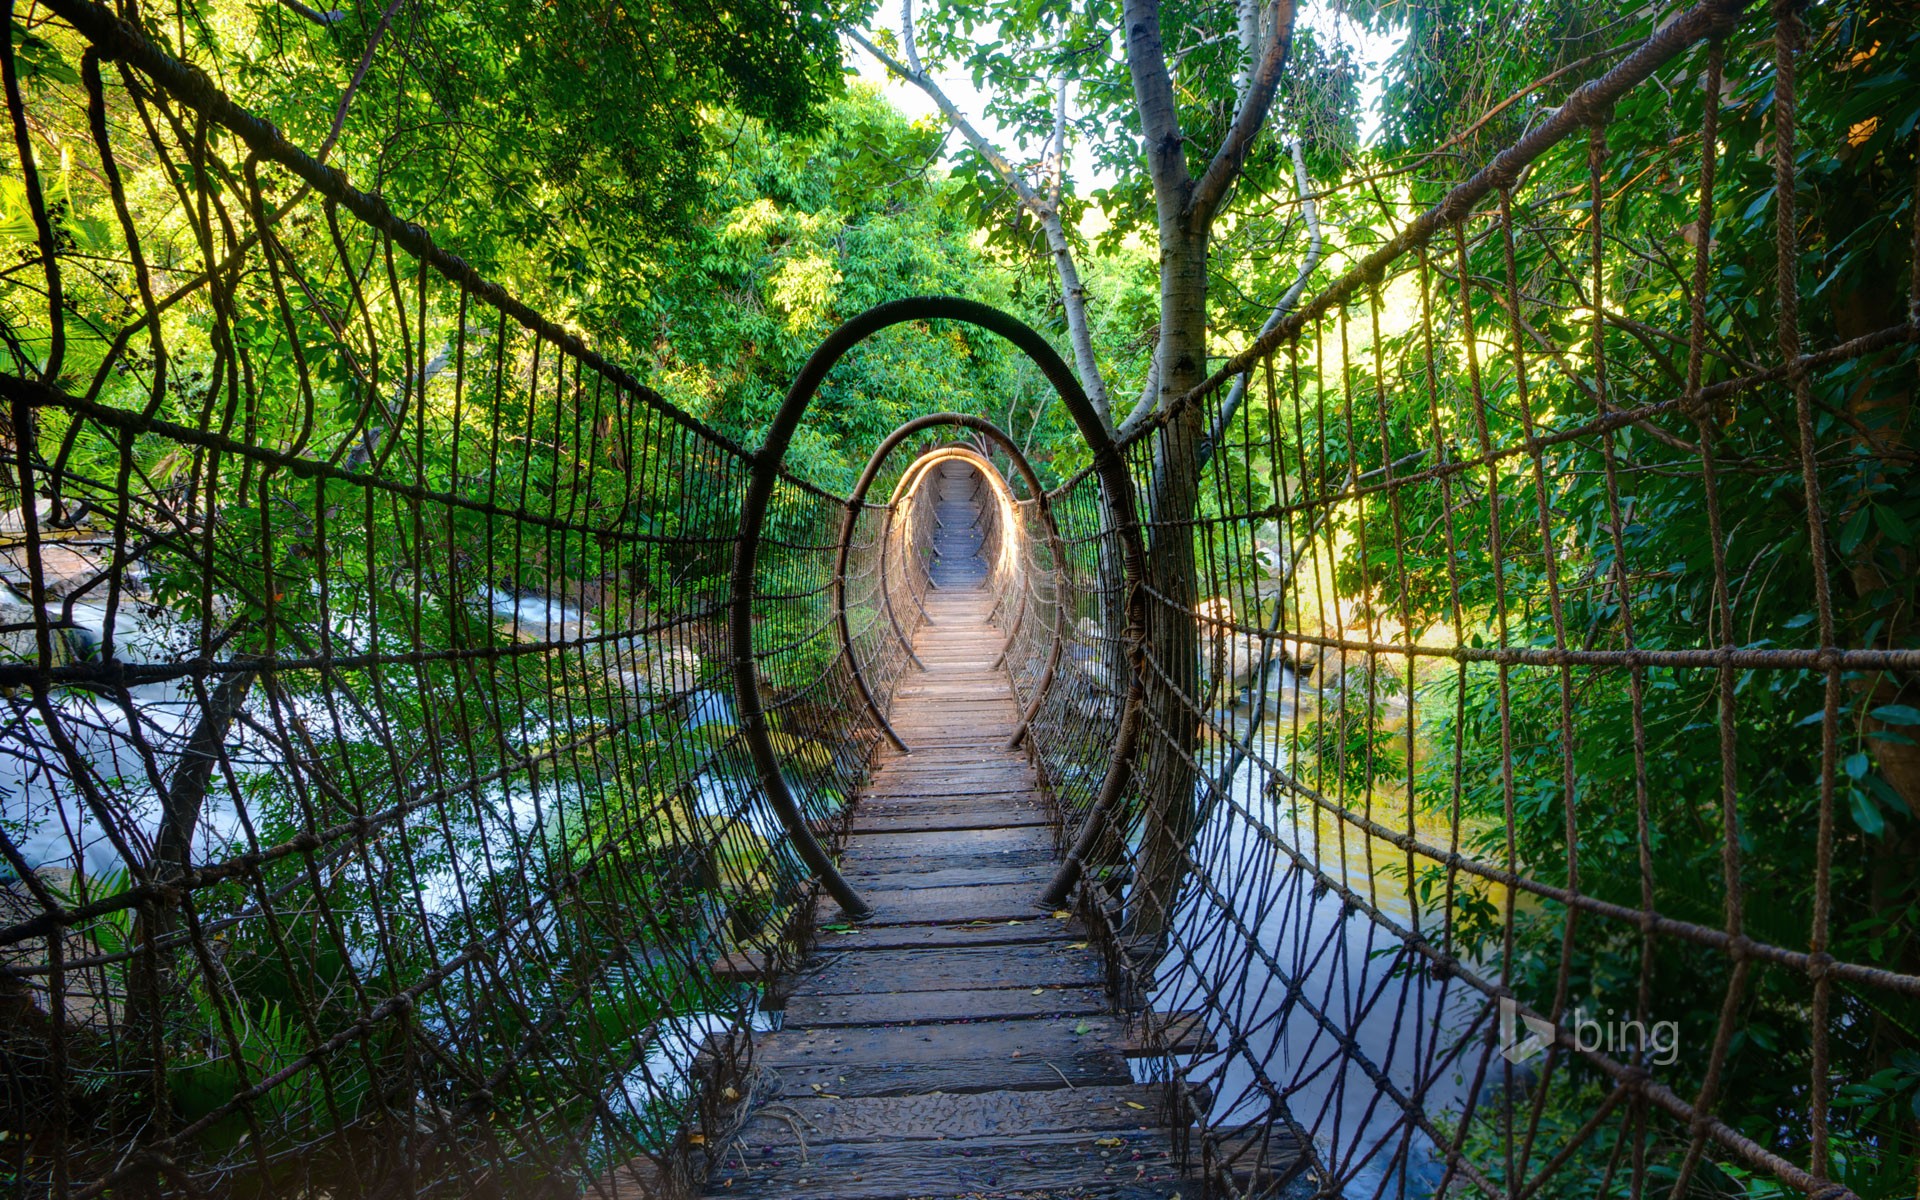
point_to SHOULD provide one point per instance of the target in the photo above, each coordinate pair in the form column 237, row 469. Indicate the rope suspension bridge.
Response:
column 537, row 792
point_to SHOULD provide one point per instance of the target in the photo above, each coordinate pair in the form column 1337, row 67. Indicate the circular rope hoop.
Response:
column 907, row 486
column 1115, row 484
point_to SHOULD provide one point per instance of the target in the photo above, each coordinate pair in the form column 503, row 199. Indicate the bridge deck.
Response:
column 959, row 1043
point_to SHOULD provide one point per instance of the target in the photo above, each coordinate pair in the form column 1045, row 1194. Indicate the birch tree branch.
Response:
column 323, row 19
column 1057, row 160
column 1073, row 292
column 1310, row 212
column 1149, row 395
column 353, row 85
column 1247, row 123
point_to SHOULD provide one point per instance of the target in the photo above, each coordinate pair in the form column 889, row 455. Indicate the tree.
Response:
column 1197, row 99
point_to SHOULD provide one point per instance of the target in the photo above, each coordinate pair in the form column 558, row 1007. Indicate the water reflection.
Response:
column 1339, row 1021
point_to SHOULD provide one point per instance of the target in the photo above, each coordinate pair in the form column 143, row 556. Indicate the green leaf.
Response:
column 1855, row 530
column 1888, row 796
column 1892, row 525
column 38, row 58
column 1866, row 814
column 1856, row 764
column 1897, row 714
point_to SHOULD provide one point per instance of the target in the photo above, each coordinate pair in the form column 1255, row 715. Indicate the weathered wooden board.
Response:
column 880, row 971
column 1039, row 858
column 938, row 779
column 924, row 737
column 908, row 845
column 980, row 1056
column 1153, row 1034
column 946, row 818
column 882, row 878
column 969, row 1004
column 950, row 758
column 1004, row 902
column 974, row 1115
column 922, row 800
column 838, row 938
column 1110, row 1165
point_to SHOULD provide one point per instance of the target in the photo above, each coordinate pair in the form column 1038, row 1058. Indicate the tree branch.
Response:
column 353, row 85
column 1057, row 157
column 1247, row 123
column 1149, row 395
column 323, row 19
column 1159, row 119
column 1073, row 292
column 907, row 45
column 1310, row 211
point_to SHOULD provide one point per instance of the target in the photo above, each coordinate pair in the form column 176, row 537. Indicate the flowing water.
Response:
column 117, row 745
column 1331, row 1003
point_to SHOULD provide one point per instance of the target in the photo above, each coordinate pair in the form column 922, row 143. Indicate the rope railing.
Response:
column 416, row 735
column 376, row 813
column 1515, row 810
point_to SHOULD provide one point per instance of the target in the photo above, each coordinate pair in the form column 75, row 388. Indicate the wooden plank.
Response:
column 1010, row 796
column 843, row 937
column 1040, row 858
column 741, row 966
column 973, row 818
column 961, row 720
column 868, row 844
column 927, row 745
column 979, row 1056
column 1009, row 804
column 988, row 766
column 1126, row 1164
column 1267, row 1161
column 880, row 878
column 975, row 1115
column 960, row 1004
column 947, row 819
column 1006, row 902
column 962, row 757
column 899, row 777
column 942, row 735
column 984, row 676
column 949, row 758
column 888, row 971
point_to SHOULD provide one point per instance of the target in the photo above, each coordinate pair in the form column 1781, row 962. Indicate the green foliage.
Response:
column 1542, row 546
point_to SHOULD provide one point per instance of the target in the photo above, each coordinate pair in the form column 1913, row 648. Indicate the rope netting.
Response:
column 1525, row 677
column 1498, row 799
column 374, row 803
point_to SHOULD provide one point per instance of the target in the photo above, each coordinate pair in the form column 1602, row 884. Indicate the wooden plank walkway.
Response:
column 959, row 1044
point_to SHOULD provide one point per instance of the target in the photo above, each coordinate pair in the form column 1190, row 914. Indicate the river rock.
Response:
column 651, row 669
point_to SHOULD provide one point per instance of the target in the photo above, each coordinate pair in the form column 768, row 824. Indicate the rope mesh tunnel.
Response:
column 388, row 814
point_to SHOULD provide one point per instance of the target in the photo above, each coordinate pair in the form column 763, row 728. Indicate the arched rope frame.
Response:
column 1115, row 485
column 908, row 485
